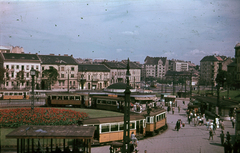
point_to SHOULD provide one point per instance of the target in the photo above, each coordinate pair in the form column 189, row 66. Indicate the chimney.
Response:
column 65, row 54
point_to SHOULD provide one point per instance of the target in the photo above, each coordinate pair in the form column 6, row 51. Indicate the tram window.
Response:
column 10, row 93
column 15, row 93
column 20, row 93
column 54, row 97
column 104, row 102
column 132, row 125
column 105, row 128
column 59, row 97
column 108, row 102
column 114, row 127
column 148, row 119
column 99, row 101
column 5, row 93
column 121, row 126
column 114, row 102
column 65, row 97
column 71, row 97
column 77, row 97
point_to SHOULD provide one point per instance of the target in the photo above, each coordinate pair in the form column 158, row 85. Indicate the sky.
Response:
column 119, row 29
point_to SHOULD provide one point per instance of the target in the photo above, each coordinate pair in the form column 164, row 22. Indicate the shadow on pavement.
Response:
column 216, row 144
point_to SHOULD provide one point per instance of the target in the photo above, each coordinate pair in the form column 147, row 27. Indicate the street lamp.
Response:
column 32, row 73
column 126, row 134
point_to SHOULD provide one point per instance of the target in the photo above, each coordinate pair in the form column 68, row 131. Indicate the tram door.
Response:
column 83, row 102
column 141, row 126
column 138, row 127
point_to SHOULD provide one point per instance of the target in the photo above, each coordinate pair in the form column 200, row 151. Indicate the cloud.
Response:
column 119, row 50
column 130, row 33
column 198, row 52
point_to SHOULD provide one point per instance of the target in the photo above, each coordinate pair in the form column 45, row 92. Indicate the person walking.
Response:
column 222, row 138
column 233, row 123
column 210, row 134
column 228, row 137
column 168, row 109
column 178, row 109
column 173, row 110
column 178, row 125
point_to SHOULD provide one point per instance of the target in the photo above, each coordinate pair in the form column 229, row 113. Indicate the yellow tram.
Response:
column 14, row 94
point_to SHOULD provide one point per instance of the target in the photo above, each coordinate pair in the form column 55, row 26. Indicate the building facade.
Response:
column 17, row 70
column 209, row 66
column 67, row 68
column 237, row 60
column 93, row 76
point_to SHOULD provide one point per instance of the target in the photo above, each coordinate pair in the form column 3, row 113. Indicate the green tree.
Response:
column 2, row 71
column 51, row 76
column 20, row 77
column 222, row 76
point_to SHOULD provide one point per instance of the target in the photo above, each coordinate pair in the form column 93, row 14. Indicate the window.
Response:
column 37, row 67
column 22, row 67
column 114, row 127
column 65, row 97
column 32, row 67
column 72, row 75
column 42, row 68
column 62, row 75
column 132, row 125
column 72, row 68
column 27, row 67
column 121, row 126
column 59, row 83
column 63, row 83
column 74, row 83
column 27, row 75
column 105, row 128
column 12, row 67
column 71, row 97
column 62, row 68
column 17, row 67
column 70, row 83
column 7, row 66
column 12, row 74
column 6, row 83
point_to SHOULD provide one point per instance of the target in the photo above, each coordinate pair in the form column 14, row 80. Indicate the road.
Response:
column 189, row 139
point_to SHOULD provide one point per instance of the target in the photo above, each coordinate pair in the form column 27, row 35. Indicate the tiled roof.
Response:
column 119, row 85
column 92, row 68
column 154, row 60
column 210, row 58
column 56, row 59
column 121, row 65
column 16, row 56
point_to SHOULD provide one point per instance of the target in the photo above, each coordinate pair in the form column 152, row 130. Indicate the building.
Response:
column 67, row 68
column 11, row 49
column 209, row 66
column 93, row 76
column 118, row 72
column 17, row 67
column 178, row 65
column 155, row 67
column 237, row 60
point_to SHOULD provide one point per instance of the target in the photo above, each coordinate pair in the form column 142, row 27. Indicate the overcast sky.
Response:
column 118, row 29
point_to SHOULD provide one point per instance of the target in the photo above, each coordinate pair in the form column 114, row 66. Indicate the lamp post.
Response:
column 32, row 73
column 126, row 133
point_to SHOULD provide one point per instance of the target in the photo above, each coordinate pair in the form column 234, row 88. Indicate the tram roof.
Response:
column 65, row 94
column 52, row 132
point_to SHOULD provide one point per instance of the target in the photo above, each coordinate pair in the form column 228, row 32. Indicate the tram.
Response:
column 65, row 99
column 14, row 94
column 110, row 129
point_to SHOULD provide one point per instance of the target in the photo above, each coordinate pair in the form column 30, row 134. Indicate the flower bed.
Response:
column 40, row 116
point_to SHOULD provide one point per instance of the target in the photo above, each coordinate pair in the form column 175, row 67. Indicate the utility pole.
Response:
column 126, row 133
column 68, row 79
column 190, row 85
column 218, row 86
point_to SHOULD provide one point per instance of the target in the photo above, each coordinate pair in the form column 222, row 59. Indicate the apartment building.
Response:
column 67, row 68
column 237, row 60
column 155, row 67
column 178, row 66
column 209, row 66
column 17, row 67
column 93, row 76
column 118, row 72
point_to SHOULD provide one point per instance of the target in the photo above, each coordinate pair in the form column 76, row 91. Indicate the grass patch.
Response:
column 233, row 94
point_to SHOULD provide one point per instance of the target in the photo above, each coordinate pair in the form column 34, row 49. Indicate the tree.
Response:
column 222, row 76
column 51, row 76
column 20, row 77
column 2, row 71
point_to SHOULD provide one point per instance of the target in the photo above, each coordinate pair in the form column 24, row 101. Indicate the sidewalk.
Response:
column 188, row 139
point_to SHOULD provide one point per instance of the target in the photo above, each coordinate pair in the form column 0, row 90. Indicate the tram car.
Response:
column 110, row 129
column 65, row 99
column 14, row 94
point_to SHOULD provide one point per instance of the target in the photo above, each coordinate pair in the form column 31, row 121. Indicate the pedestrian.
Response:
column 178, row 125
column 233, row 123
column 173, row 110
column 183, row 102
column 228, row 136
column 111, row 149
column 189, row 119
column 133, row 137
column 222, row 138
column 168, row 109
column 210, row 134
column 222, row 125
column 178, row 109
